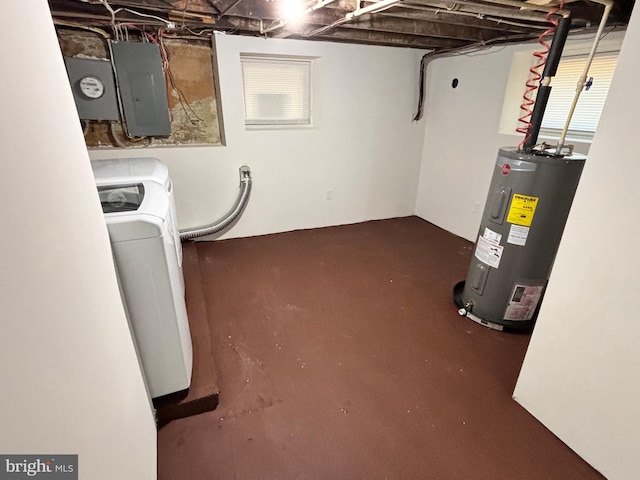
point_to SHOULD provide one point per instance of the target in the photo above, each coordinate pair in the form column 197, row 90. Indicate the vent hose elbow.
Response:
column 230, row 217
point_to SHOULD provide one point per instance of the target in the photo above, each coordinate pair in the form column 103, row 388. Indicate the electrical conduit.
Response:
column 230, row 217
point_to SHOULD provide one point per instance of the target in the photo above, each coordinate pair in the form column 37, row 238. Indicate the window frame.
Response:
column 279, row 125
column 553, row 133
column 522, row 59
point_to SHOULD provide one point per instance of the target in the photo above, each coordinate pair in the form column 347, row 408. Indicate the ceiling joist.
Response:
column 428, row 24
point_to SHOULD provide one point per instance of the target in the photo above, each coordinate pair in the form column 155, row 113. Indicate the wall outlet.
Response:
column 476, row 206
column 328, row 194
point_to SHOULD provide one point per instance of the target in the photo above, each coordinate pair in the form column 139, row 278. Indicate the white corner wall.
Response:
column 363, row 144
column 70, row 378
column 581, row 374
column 462, row 136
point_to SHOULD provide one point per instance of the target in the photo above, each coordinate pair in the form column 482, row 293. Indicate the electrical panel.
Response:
column 94, row 88
column 143, row 90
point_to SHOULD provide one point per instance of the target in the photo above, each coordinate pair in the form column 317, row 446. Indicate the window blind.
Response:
column 591, row 102
column 277, row 91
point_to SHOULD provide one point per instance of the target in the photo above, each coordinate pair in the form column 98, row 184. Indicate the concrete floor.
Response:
column 339, row 355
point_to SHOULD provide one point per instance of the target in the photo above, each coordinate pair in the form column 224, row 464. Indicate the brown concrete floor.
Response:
column 340, row 355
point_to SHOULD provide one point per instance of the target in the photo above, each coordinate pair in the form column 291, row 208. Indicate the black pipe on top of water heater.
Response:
column 544, row 90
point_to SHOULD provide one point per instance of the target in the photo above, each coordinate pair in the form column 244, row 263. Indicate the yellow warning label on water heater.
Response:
column 522, row 210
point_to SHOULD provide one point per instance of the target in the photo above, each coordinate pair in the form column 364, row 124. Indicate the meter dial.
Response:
column 91, row 87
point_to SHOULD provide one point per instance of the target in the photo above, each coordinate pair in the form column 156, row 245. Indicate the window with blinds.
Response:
column 587, row 115
column 277, row 90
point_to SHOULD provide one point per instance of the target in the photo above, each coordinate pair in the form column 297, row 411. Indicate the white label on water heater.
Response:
column 491, row 236
column 488, row 252
column 518, row 235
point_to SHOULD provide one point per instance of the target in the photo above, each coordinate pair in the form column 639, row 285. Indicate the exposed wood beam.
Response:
column 382, row 23
column 329, row 15
column 230, row 6
column 354, row 32
column 430, row 24
column 199, row 6
column 469, row 19
column 400, row 24
column 249, row 8
column 239, row 23
column 389, row 39
column 483, row 9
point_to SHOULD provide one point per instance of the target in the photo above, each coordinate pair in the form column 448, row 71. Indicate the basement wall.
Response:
column 462, row 133
column 70, row 380
column 580, row 376
column 363, row 146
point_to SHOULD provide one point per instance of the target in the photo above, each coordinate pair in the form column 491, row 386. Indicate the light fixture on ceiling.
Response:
column 292, row 11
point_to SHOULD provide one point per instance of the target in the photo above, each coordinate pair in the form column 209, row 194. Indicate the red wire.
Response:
column 536, row 75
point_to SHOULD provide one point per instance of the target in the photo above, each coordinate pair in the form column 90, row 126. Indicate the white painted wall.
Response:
column 462, row 136
column 363, row 145
column 70, row 381
column 581, row 374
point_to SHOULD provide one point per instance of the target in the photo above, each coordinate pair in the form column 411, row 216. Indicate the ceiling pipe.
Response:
column 479, row 16
column 530, row 6
column 530, row 16
column 373, row 8
column 608, row 5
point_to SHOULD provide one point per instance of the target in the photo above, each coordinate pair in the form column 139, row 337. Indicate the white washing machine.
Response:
column 116, row 171
column 140, row 218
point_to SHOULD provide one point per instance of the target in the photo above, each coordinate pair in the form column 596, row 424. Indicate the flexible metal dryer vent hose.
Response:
column 230, row 217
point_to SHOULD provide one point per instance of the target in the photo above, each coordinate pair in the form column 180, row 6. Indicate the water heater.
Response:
column 522, row 223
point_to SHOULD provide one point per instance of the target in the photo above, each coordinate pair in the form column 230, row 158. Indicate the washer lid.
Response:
column 149, row 220
column 118, row 171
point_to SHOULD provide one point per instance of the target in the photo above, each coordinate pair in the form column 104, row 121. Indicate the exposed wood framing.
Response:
column 432, row 24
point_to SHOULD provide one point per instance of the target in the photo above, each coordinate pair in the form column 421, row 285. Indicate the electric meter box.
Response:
column 94, row 88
